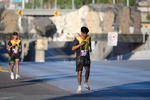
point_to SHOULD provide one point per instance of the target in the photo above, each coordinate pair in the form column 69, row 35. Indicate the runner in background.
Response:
column 14, row 49
column 82, row 46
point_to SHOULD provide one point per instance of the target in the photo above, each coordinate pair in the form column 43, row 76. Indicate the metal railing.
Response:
column 61, row 4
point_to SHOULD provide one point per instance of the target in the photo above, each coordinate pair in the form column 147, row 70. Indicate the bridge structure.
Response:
column 127, row 38
column 53, row 50
column 44, row 12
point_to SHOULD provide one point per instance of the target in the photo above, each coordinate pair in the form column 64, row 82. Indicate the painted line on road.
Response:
column 3, row 69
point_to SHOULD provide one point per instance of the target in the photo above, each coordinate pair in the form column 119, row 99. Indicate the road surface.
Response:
column 57, row 80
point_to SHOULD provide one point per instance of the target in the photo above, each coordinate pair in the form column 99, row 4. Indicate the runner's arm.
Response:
column 77, row 45
column 9, row 45
column 20, row 47
column 90, row 46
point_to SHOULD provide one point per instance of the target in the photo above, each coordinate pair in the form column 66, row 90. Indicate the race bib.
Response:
column 15, row 51
column 83, row 52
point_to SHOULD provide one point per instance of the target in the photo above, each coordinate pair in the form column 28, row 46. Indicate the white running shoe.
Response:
column 87, row 86
column 79, row 89
column 12, row 75
column 18, row 76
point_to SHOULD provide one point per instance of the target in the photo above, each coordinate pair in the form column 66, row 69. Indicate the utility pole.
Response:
column 23, row 3
column 10, row 3
column 93, row 1
column 41, row 4
column 32, row 4
column 55, row 4
column 73, row 6
column 114, row 1
column 128, row 4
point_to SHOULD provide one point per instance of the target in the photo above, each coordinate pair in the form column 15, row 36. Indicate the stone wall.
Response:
column 99, row 19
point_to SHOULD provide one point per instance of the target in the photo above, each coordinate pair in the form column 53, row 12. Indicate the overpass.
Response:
column 126, row 38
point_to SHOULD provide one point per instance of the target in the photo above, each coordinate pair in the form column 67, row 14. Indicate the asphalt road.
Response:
column 57, row 80
column 27, row 89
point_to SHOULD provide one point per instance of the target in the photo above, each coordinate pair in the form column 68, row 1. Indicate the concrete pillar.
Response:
column 41, row 46
column 39, row 55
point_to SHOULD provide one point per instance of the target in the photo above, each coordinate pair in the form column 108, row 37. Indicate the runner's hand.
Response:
column 14, row 45
column 83, row 42
column 19, row 49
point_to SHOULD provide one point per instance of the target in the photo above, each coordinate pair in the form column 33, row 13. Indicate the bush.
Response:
column 148, row 16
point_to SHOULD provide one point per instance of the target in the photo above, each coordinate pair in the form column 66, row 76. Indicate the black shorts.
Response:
column 13, row 57
column 82, row 61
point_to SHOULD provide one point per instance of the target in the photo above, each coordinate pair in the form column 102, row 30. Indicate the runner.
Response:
column 14, row 48
column 82, row 46
column 7, row 47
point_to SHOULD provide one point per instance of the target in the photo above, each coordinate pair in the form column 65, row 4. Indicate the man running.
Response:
column 14, row 48
column 82, row 46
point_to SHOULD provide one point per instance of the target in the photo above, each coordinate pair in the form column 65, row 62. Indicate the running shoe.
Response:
column 87, row 86
column 18, row 76
column 79, row 89
column 12, row 75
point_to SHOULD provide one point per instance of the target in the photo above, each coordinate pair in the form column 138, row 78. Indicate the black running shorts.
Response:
column 82, row 61
column 14, row 57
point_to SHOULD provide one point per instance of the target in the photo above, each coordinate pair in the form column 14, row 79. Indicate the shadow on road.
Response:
column 132, row 91
column 29, row 81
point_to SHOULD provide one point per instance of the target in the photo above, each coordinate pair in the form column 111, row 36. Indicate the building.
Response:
column 13, row 1
column 144, row 7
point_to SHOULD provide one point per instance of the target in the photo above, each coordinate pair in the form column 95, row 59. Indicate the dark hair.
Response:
column 15, row 33
column 84, row 30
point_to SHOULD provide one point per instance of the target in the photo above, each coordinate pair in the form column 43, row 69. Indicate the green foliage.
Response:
column 104, row 1
column 62, row 4
column 28, row 5
column 80, row 3
column 65, row 4
column 148, row 16
column 133, row 3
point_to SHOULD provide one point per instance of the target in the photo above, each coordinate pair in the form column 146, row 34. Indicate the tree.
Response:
column 148, row 16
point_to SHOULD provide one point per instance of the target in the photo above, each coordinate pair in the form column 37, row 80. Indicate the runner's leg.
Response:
column 87, row 73
column 17, row 66
column 79, row 77
column 12, row 66
column 11, row 70
column 79, row 81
